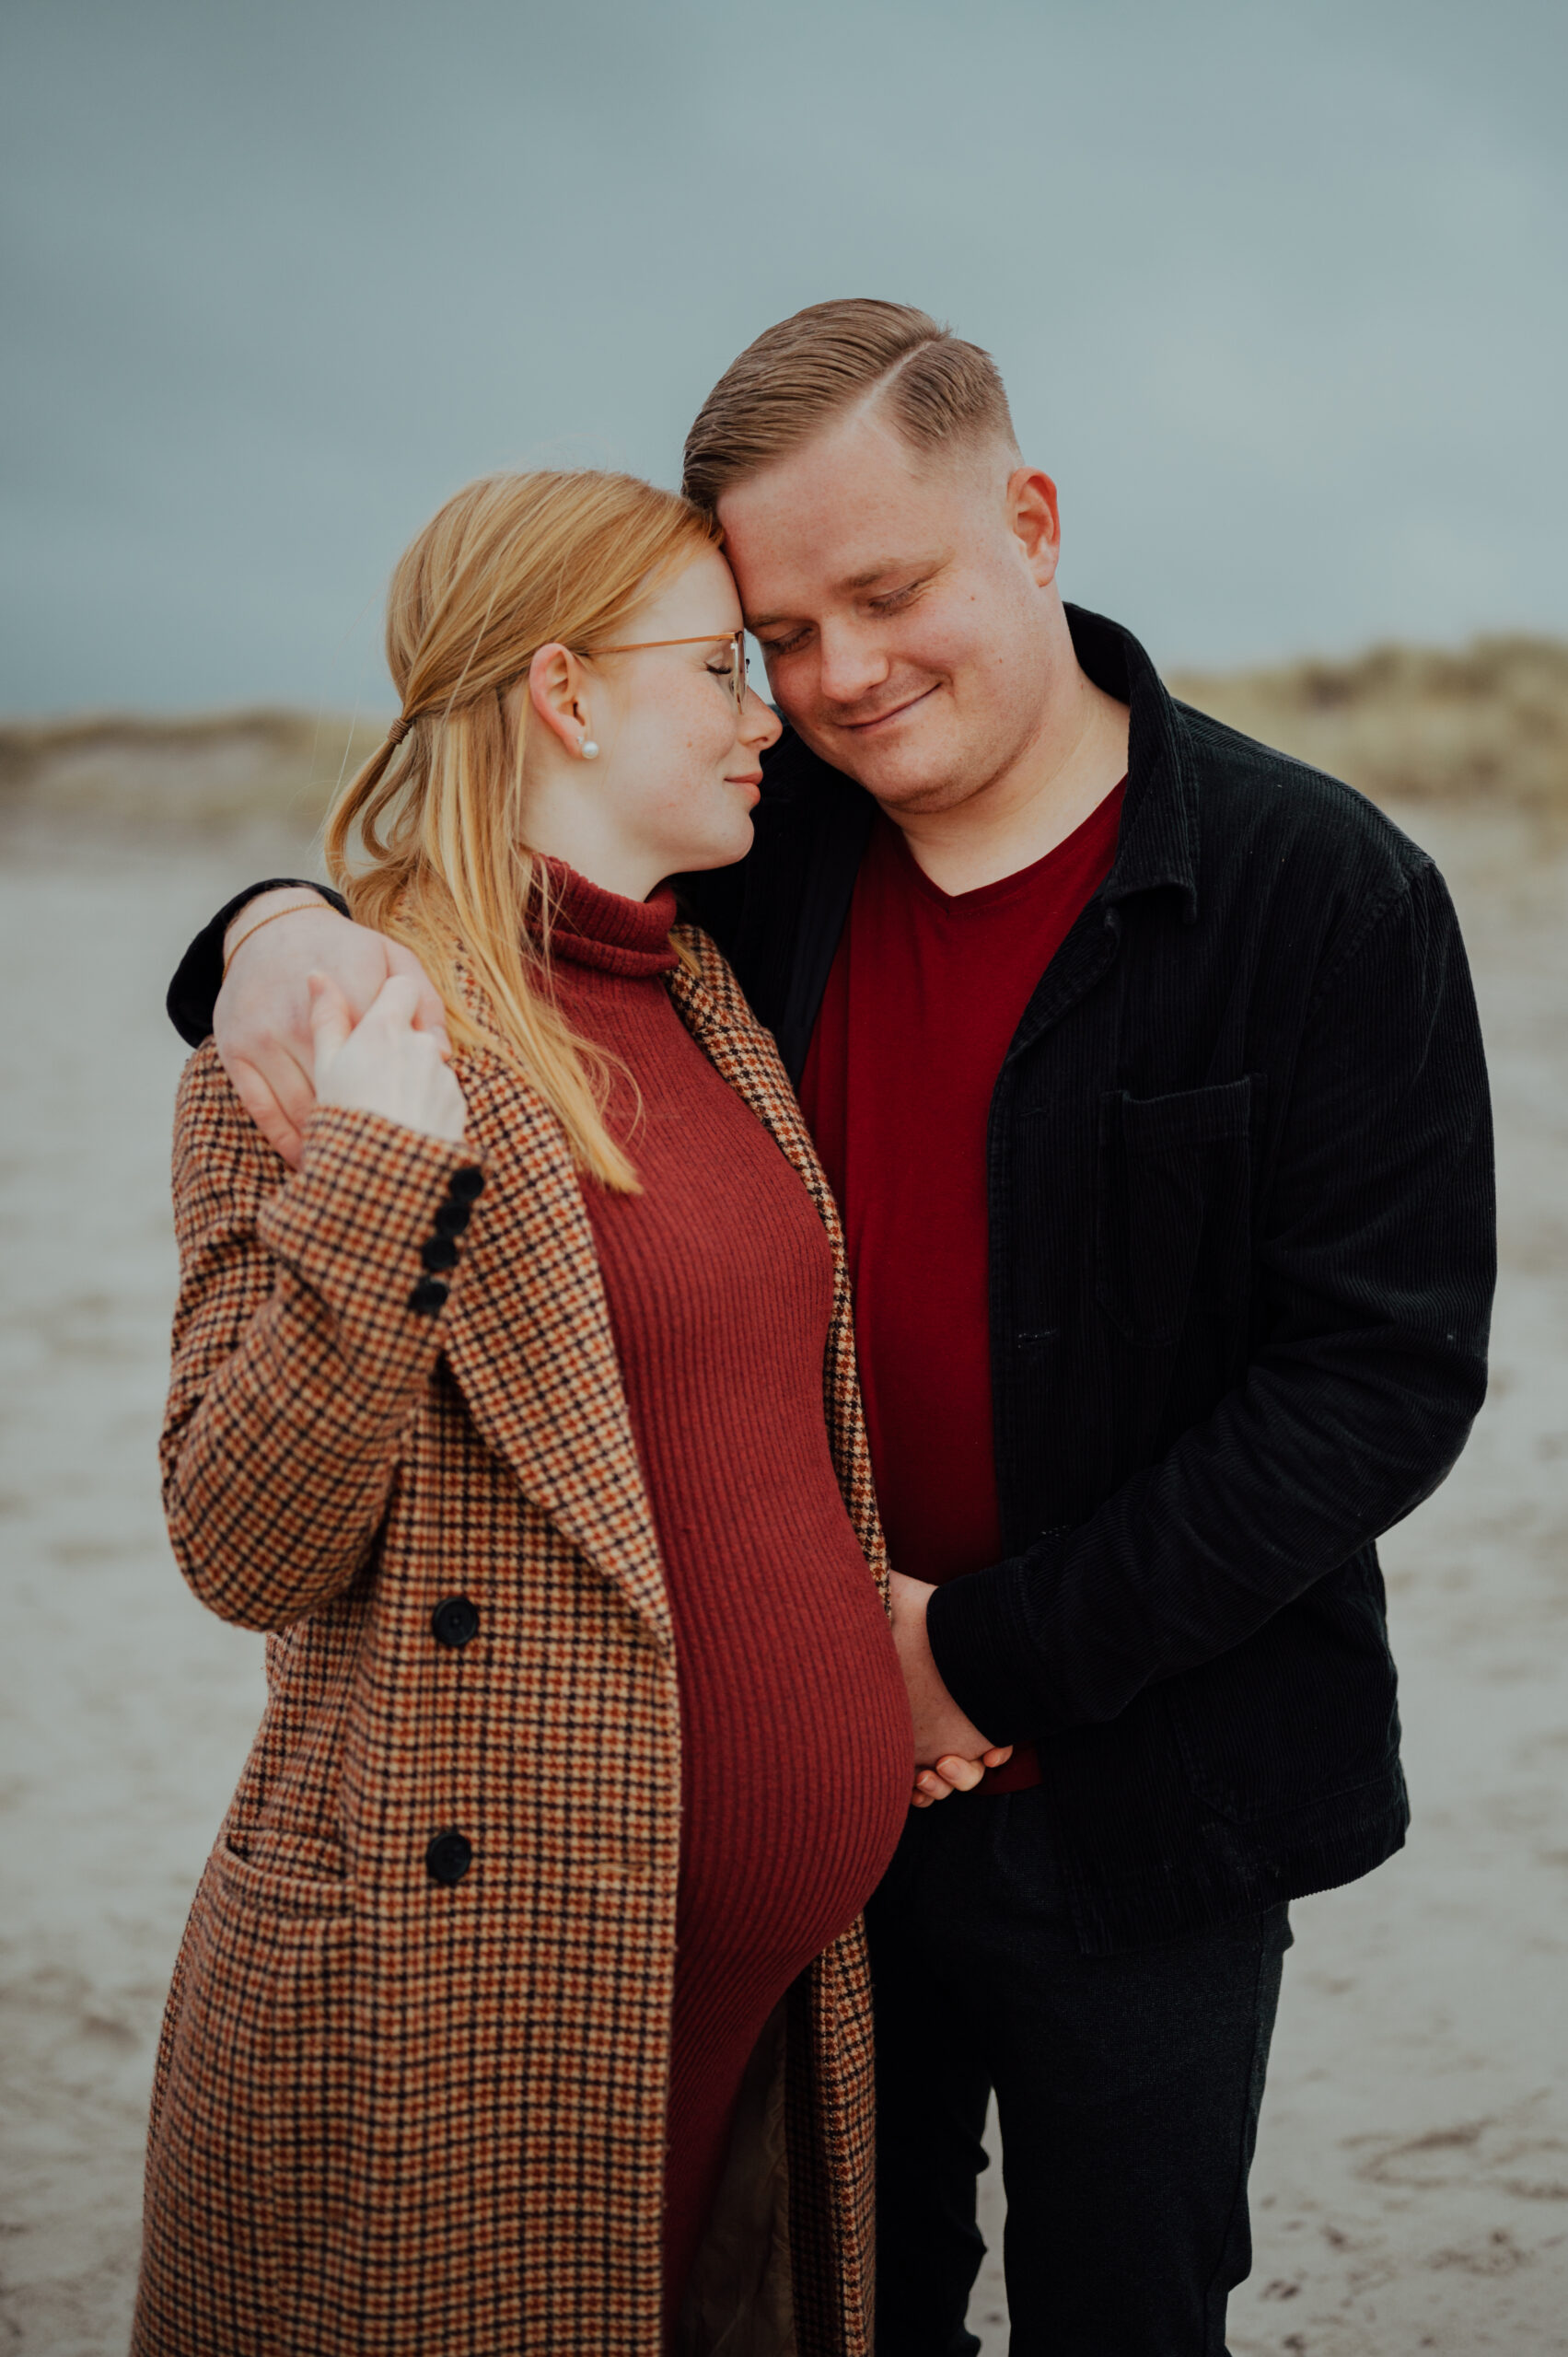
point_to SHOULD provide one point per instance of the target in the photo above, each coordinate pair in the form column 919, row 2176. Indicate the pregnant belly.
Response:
column 796, row 1760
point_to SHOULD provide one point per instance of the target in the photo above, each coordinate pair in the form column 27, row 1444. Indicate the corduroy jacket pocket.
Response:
column 1175, row 1202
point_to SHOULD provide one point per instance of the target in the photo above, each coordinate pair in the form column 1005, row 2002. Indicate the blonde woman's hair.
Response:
column 426, row 841
column 934, row 389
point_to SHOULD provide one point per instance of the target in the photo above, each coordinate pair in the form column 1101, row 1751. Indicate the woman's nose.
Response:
column 760, row 724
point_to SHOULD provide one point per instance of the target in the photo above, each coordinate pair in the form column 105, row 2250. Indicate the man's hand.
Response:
column 950, row 1752
column 262, row 1022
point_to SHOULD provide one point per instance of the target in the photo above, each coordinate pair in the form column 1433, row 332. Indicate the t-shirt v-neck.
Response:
column 926, row 991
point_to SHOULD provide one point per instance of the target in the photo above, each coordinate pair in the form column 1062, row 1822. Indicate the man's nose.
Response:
column 849, row 666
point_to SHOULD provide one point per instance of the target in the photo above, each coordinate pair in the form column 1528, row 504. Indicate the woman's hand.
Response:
column 381, row 1064
column 951, row 1754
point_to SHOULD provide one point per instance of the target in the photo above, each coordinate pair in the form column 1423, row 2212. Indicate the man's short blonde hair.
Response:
column 786, row 386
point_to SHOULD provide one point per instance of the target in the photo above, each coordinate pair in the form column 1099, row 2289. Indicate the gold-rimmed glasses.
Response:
column 734, row 639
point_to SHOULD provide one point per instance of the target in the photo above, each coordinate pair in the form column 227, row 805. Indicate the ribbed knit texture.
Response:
column 795, row 1735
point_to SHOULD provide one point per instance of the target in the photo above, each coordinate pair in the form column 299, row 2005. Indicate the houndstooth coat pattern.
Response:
column 395, row 2112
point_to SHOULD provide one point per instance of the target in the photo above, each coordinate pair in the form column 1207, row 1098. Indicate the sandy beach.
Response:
column 1412, row 2188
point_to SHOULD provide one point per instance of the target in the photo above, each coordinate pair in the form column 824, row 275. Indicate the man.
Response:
column 1145, row 1066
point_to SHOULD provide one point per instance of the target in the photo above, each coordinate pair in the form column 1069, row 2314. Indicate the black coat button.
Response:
column 428, row 1295
column 448, row 1857
column 453, row 1620
column 452, row 1218
column 463, row 1186
column 440, row 1252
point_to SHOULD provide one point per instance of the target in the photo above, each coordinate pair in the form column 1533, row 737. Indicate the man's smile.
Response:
column 881, row 719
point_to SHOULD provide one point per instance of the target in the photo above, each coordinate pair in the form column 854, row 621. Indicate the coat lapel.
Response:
column 530, row 1342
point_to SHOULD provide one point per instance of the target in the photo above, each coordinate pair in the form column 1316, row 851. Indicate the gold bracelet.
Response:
column 300, row 909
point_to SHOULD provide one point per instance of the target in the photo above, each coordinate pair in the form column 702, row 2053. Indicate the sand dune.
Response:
column 1412, row 2192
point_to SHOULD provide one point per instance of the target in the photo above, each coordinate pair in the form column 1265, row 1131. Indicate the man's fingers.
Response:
column 963, row 1775
column 281, row 1133
column 332, row 1019
column 998, row 1755
column 429, row 1015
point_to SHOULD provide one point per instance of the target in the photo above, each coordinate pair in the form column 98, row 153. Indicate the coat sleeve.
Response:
column 1373, row 1269
column 306, row 1334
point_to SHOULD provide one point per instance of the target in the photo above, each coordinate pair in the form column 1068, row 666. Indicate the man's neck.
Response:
column 1077, row 758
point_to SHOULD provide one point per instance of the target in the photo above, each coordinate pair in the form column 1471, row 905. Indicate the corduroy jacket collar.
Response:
column 1158, row 846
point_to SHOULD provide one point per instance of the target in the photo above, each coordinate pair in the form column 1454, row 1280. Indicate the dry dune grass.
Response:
column 1486, row 724
column 210, row 772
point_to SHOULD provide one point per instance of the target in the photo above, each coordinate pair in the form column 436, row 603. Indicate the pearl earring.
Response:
column 587, row 749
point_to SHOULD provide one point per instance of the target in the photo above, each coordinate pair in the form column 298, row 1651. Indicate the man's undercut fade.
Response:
column 797, row 376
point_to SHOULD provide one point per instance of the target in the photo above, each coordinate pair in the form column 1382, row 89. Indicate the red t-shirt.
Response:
column 926, row 991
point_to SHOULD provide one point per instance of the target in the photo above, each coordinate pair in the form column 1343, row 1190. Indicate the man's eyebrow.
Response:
column 915, row 566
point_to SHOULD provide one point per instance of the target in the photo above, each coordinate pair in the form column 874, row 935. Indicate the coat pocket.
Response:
column 1175, row 1203
column 247, row 2229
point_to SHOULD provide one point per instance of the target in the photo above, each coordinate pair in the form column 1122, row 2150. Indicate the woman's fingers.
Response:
column 393, row 1007
column 429, row 1015
column 953, row 1774
column 382, row 1064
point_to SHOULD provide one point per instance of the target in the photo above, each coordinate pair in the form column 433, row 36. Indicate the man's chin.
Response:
column 900, row 780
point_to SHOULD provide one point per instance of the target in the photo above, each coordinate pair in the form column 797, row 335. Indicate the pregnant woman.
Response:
column 524, row 1419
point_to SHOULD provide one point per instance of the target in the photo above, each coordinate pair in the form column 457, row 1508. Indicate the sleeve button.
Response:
column 440, row 1252
column 428, row 1295
column 452, row 1218
column 465, row 1185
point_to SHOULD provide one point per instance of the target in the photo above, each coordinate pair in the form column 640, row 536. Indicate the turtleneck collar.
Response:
column 594, row 927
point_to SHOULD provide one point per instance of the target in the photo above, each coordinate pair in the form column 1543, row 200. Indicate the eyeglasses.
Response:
column 734, row 639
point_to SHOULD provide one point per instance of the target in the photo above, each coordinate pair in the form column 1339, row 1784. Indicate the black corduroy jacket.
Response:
column 1242, row 1255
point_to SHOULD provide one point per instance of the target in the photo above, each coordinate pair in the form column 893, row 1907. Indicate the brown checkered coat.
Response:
column 392, row 2114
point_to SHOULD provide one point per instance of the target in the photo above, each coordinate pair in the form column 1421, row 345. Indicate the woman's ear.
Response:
column 557, row 691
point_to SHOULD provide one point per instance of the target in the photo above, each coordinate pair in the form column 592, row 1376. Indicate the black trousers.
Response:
column 1128, row 2088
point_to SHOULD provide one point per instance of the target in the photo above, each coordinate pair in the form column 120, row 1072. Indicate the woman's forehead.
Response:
column 701, row 596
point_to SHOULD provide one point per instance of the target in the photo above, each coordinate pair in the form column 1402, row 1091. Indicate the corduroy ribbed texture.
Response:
column 795, row 1744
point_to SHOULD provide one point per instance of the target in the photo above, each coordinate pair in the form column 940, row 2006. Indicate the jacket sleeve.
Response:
column 1373, row 1266
column 198, row 978
column 306, row 1334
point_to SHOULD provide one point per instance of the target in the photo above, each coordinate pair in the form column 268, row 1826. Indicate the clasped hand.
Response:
column 951, row 1754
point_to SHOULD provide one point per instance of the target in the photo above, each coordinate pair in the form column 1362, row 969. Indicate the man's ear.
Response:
column 558, row 692
column 1034, row 522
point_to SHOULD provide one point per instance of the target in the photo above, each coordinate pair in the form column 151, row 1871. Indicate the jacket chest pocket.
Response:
column 1175, row 1200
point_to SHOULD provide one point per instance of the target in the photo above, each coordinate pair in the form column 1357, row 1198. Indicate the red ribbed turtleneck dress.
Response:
column 795, row 1744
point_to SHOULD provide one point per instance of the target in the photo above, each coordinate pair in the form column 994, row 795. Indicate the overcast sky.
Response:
column 1279, row 292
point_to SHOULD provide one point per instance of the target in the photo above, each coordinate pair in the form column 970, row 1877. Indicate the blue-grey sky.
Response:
column 1279, row 292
